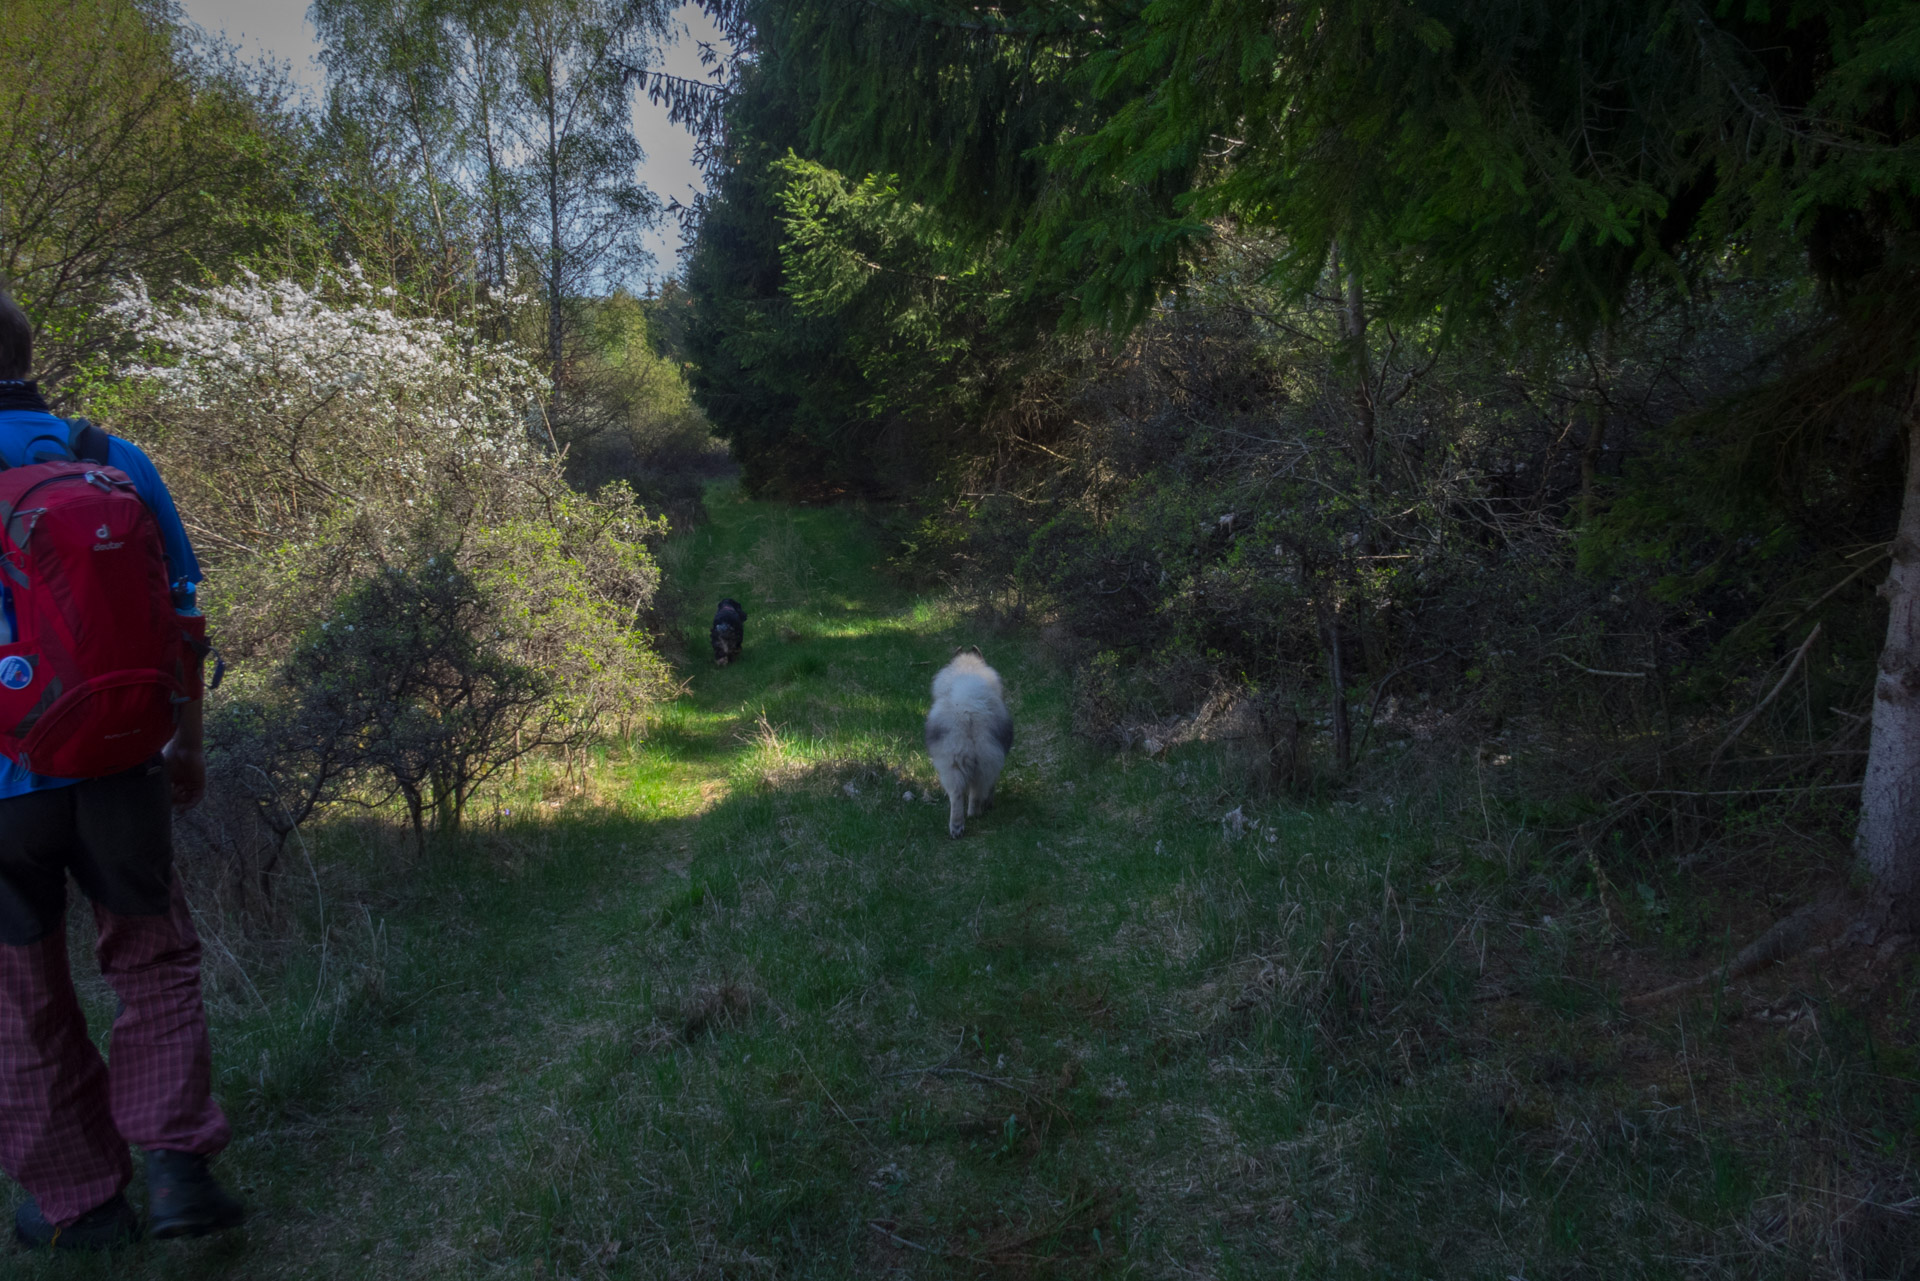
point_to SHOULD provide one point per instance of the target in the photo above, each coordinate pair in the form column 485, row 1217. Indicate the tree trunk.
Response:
column 1889, row 834
column 414, row 808
column 1596, row 411
column 1353, row 330
column 445, row 811
column 555, row 247
column 496, row 215
column 1590, row 457
column 1337, row 673
column 416, row 118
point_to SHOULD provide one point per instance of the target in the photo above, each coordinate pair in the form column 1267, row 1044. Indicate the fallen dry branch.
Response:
column 1785, row 939
column 1798, row 656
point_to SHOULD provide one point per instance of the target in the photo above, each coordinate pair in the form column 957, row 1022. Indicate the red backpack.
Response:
column 98, row 656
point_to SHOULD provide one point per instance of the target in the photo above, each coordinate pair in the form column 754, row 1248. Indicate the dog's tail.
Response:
column 967, row 761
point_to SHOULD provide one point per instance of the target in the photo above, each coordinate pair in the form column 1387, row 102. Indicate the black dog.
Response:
column 729, row 631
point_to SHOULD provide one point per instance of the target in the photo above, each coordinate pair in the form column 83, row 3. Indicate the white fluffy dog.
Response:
column 969, row 734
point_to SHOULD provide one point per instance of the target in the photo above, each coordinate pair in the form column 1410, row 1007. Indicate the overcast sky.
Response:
column 278, row 30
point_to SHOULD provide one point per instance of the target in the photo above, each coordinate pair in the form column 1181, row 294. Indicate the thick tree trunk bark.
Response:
column 1889, row 834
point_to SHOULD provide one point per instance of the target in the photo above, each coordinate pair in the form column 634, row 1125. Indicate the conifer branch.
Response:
column 1078, row 26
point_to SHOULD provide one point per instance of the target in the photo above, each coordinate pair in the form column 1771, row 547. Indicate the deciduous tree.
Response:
column 124, row 150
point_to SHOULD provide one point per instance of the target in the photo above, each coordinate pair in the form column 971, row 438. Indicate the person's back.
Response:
column 66, row 1117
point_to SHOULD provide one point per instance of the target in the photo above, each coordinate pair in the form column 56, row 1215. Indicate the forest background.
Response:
column 1375, row 385
column 1495, row 417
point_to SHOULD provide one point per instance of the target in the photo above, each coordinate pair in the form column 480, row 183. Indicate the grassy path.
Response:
column 751, row 1013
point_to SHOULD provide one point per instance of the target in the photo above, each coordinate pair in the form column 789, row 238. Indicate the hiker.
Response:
column 66, row 1117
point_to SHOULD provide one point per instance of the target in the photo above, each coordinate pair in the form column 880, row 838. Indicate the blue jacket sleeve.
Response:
column 182, row 564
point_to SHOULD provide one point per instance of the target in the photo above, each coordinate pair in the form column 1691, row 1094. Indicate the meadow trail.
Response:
column 740, row 1007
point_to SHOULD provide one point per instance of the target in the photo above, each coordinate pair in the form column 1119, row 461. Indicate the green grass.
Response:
column 742, row 1008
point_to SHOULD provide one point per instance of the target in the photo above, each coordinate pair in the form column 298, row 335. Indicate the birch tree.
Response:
column 570, row 60
column 392, row 107
column 509, row 124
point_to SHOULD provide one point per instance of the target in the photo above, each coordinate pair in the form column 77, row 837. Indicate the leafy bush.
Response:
column 413, row 678
column 631, row 416
column 1189, row 506
column 406, row 585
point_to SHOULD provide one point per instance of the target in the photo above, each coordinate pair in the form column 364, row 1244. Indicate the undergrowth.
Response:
column 729, row 1002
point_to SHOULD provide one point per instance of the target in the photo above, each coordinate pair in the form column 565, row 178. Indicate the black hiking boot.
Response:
column 184, row 1199
column 105, row 1227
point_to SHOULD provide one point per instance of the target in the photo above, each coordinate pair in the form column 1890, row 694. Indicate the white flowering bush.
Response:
column 283, row 408
column 316, row 441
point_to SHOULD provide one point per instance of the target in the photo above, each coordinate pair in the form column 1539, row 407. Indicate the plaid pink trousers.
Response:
column 66, row 1116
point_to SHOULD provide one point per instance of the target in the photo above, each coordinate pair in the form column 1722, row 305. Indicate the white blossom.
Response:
column 276, row 352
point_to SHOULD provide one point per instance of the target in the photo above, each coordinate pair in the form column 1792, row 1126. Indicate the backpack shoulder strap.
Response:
column 87, row 443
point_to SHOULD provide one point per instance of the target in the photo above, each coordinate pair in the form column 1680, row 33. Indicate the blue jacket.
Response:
column 32, row 435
